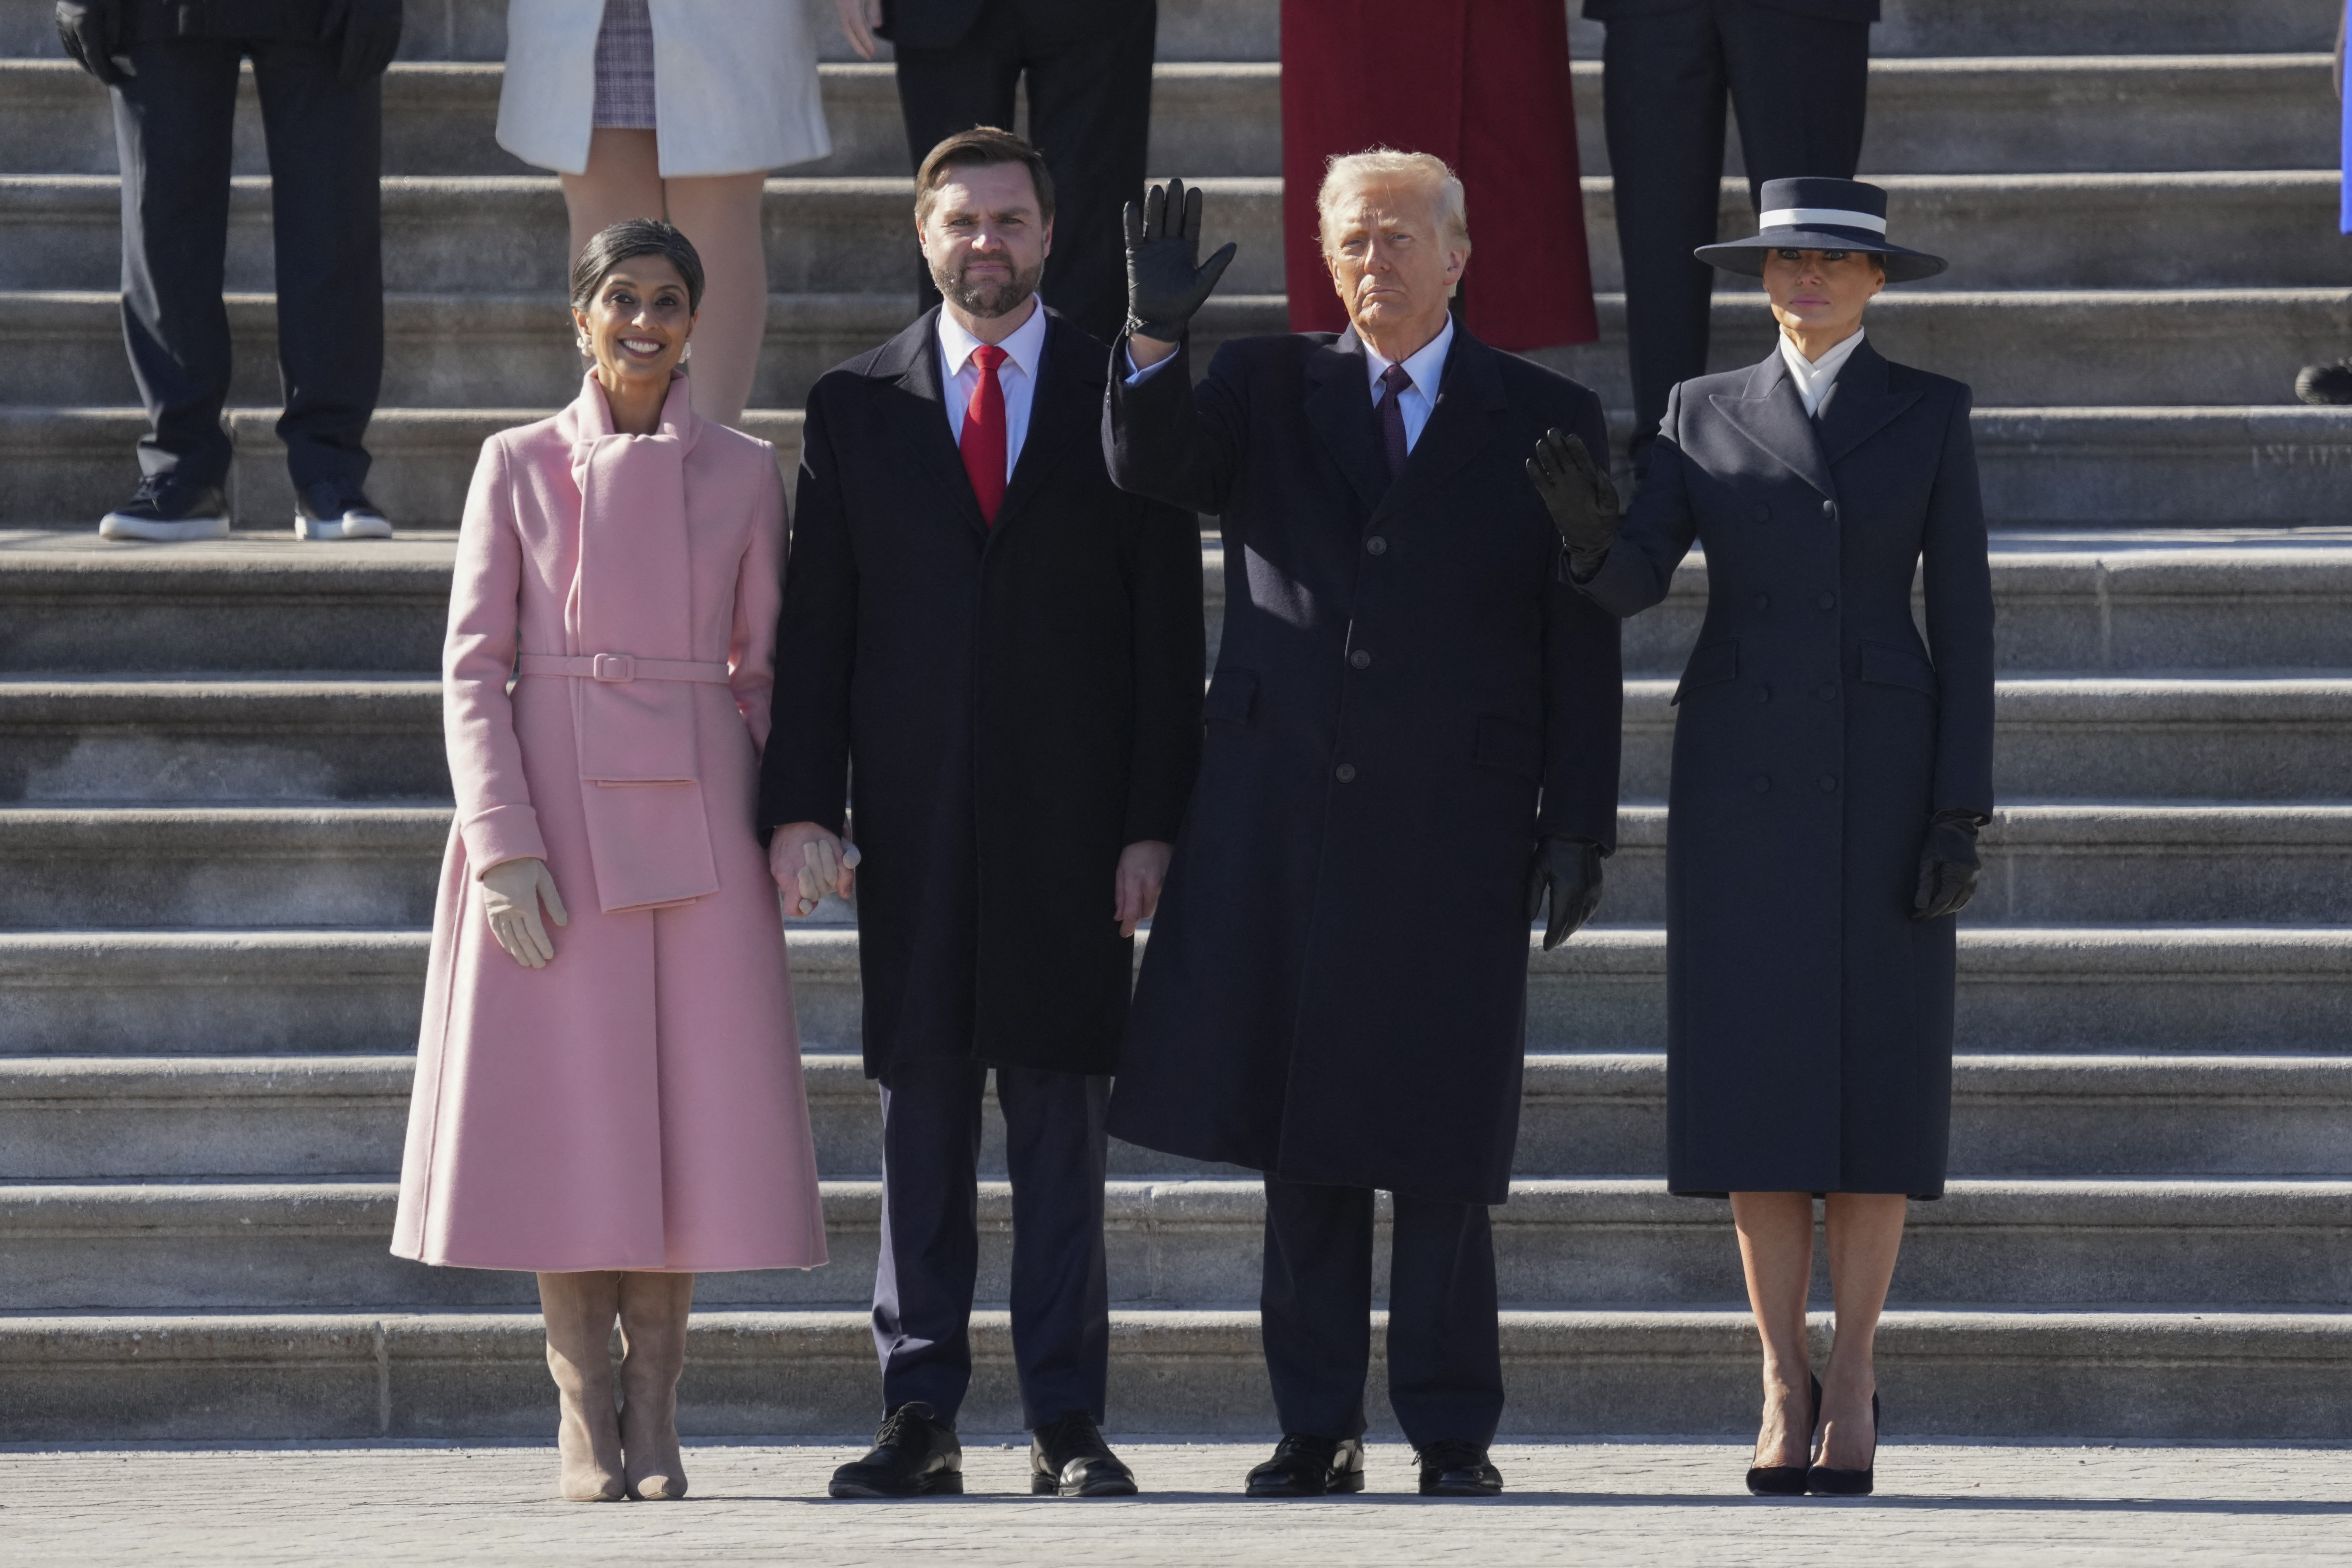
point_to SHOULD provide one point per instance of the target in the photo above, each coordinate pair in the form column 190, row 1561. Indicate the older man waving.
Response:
column 1412, row 737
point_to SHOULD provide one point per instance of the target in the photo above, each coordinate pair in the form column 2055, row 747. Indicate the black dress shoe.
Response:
column 1069, row 1459
column 1787, row 1480
column 1455, row 1468
column 1310, row 1466
column 915, row 1454
column 1823, row 1480
column 2326, row 383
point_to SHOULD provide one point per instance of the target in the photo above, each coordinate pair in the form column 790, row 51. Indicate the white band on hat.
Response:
column 1805, row 217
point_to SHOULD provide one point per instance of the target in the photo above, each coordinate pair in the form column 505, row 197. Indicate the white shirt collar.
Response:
column 1023, row 349
column 1812, row 377
column 1425, row 365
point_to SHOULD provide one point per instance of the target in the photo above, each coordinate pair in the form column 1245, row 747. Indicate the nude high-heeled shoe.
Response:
column 654, row 1308
column 580, row 1310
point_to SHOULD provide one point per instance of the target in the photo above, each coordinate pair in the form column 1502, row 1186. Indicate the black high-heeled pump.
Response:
column 1823, row 1480
column 1787, row 1480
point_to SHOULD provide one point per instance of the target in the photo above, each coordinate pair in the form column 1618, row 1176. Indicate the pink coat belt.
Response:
column 621, row 666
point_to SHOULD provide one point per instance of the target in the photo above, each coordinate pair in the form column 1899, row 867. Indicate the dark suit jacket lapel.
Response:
column 1858, row 405
column 1773, row 417
column 1461, row 423
column 1065, row 402
column 909, row 370
column 1339, row 407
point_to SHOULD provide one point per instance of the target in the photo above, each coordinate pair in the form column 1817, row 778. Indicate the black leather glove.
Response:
column 1568, row 870
column 1947, row 865
column 1582, row 501
column 91, row 31
column 370, row 35
column 1165, row 286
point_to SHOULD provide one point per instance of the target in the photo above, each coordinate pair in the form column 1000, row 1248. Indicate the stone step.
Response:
column 2103, row 990
column 494, row 233
column 2098, row 114
column 97, row 1119
column 1179, row 1243
column 2206, row 1376
column 2080, row 347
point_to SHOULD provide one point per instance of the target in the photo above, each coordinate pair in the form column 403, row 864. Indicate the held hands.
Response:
column 512, row 891
column 91, row 31
column 1568, row 870
column 371, row 33
column 1166, row 283
column 1580, row 497
column 1947, row 865
column 1135, row 890
column 808, row 861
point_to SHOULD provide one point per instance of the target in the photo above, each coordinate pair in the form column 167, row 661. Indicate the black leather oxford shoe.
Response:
column 915, row 1454
column 1069, row 1459
column 1310, row 1466
column 1457, row 1469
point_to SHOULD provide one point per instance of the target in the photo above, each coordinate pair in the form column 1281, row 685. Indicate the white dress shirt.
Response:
column 1812, row 377
column 959, row 377
column 1425, row 365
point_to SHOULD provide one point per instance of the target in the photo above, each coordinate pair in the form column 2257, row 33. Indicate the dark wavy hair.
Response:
column 633, row 236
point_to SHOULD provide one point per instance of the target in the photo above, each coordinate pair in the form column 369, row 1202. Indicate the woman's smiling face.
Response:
column 638, row 323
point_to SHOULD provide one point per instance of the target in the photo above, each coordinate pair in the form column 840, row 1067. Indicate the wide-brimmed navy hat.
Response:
column 1822, row 215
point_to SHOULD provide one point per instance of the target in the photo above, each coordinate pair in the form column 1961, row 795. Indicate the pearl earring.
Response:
column 686, row 353
column 582, row 340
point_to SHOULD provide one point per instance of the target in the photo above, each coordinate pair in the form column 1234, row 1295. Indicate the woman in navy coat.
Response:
column 1830, row 773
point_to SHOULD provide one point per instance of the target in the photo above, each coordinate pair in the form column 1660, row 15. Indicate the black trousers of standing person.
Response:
column 1055, row 1151
column 1445, row 1349
column 1090, row 112
column 173, row 122
column 1798, row 84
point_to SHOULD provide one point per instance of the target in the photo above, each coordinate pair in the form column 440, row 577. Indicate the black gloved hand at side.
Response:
column 1569, row 871
column 91, row 31
column 1581, row 498
column 1947, row 865
column 370, row 35
column 1166, row 284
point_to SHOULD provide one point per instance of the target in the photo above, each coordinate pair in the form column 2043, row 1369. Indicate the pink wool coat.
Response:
column 637, row 1103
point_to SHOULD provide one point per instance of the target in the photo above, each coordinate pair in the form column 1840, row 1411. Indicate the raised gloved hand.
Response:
column 1568, row 870
column 1947, row 865
column 1580, row 497
column 1166, row 281
column 809, row 860
column 91, row 31
column 370, row 35
column 512, row 891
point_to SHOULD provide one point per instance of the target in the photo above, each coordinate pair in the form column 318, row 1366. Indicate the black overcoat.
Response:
column 1004, row 708
column 1406, row 695
column 1809, row 1017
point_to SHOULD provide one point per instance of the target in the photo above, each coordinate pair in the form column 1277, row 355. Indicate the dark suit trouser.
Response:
column 1798, row 85
column 1089, row 114
column 1444, row 1347
column 1055, row 1151
column 172, row 124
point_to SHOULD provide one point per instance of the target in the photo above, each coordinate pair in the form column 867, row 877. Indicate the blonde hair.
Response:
column 1346, row 170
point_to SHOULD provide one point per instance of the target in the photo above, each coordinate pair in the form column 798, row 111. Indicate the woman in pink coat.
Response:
column 618, row 1107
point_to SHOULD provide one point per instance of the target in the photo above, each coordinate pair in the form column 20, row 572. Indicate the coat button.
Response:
column 1829, row 509
column 1359, row 659
column 1763, row 785
column 1827, row 601
column 1826, row 693
column 1347, row 773
column 1377, row 545
column 1763, row 514
column 1763, row 695
column 1763, row 601
column 1829, row 783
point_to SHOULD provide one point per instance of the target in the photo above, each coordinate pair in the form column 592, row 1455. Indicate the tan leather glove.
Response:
column 512, row 891
column 808, row 861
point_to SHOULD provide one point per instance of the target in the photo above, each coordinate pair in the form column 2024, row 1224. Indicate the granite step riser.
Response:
column 1925, row 117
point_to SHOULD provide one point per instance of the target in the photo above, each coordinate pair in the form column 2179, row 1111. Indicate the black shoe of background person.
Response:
column 332, row 509
column 1310, row 1467
column 2326, row 383
column 168, row 510
column 1450, row 1467
column 915, row 1454
column 1069, row 1459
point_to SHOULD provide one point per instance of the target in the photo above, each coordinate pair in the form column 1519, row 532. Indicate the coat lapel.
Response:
column 1067, row 400
column 1461, row 423
column 1773, row 417
column 1858, row 405
column 909, row 367
column 1339, row 407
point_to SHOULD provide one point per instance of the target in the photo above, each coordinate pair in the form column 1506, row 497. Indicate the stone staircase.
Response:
column 224, row 797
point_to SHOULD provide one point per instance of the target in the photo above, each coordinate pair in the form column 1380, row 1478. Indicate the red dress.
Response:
column 1483, row 84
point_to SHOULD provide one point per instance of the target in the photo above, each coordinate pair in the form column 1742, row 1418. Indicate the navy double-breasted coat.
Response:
column 1406, row 695
column 1809, row 1017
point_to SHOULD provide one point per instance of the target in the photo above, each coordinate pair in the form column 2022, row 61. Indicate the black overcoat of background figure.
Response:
column 1336, row 985
column 1024, row 701
column 1809, row 1017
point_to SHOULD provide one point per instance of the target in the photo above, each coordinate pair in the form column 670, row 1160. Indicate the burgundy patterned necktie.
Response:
column 1392, row 418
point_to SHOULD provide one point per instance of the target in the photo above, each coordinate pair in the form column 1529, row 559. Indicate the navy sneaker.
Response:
column 333, row 510
column 168, row 510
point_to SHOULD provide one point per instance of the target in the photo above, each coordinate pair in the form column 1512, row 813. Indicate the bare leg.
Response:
column 580, row 1310
column 1776, row 1248
column 653, row 1341
column 721, row 215
column 1866, row 1232
column 623, row 179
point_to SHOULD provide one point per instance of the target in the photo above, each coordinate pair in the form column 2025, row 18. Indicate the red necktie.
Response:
column 984, row 433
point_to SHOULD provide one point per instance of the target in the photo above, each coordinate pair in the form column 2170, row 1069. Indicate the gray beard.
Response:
column 988, row 303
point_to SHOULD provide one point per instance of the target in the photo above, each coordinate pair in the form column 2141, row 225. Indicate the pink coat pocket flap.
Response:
column 650, row 844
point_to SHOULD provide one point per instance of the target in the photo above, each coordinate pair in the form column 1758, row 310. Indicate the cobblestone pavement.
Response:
column 1631, row 1503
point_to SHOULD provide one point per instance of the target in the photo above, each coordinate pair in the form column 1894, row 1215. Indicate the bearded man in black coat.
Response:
column 1411, row 736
